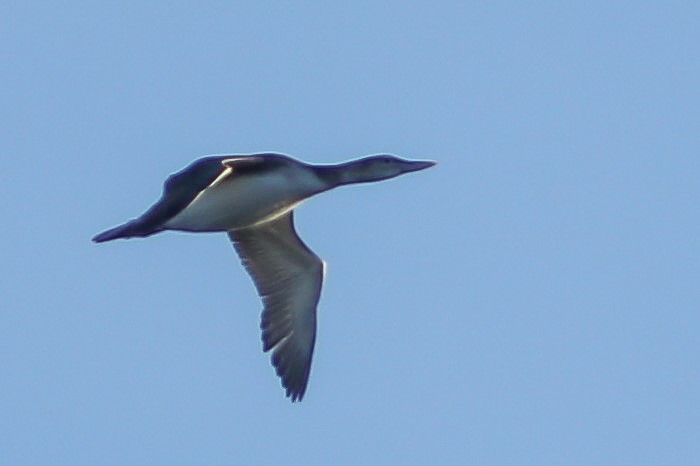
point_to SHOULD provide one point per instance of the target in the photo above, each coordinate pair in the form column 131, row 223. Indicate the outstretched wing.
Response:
column 183, row 187
column 288, row 277
column 179, row 191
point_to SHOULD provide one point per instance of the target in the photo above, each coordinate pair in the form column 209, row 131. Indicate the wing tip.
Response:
column 293, row 377
column 295, row 396
column 109, row 235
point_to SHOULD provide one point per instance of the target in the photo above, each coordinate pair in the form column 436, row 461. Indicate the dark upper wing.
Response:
column 181, row 188
column 288, row 277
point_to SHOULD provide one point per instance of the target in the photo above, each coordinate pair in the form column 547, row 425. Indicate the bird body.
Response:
column 252, row 197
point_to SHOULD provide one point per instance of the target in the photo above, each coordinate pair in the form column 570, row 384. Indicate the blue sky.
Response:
column 533, row 299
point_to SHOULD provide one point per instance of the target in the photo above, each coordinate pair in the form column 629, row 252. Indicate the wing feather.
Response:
column 288, row 277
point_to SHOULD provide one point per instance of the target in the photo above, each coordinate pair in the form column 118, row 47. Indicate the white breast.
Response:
column 240, row 201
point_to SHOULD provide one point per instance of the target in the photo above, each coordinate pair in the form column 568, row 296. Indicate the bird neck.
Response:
column 343, row 173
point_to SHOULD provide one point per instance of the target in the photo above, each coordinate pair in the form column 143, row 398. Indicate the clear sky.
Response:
column 531, row 300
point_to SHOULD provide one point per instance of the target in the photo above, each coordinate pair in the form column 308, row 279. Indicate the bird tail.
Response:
column 127, row 230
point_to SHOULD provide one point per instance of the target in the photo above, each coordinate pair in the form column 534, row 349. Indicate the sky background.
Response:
column 532, row 300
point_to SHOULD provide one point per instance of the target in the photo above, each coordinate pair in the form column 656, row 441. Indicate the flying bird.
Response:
column 252, row 198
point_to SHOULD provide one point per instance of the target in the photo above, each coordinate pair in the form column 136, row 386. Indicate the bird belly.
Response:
column 236, row 203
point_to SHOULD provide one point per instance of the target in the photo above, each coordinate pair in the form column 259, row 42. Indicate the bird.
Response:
column 252, row 198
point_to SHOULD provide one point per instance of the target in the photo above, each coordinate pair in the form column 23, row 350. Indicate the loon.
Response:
column 252, row 198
